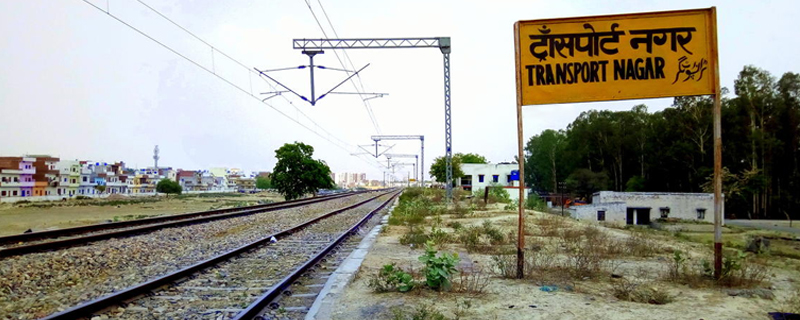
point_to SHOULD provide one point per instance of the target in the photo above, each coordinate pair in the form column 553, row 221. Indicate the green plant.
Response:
column 415, row 237
column 455, row 225
column 169, row 187
column 534, row 202
column 438, row 236
column 391, row 278
column 513, row 205
column 422, row 312
column 677, row 269
column 438, row 270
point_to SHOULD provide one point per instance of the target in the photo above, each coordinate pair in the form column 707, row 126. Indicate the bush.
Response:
column 83, row 198
column 630, row 290
column 438, row 270
column 641, row 244
column 472, row 282
column 391, row 278
column 585, row 250
column 415, row 237
column 422, row 312
column 534, row 202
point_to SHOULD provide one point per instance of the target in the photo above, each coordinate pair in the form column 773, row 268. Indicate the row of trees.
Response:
column 672, row 150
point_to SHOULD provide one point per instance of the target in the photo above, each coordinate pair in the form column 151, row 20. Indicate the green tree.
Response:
column 100, row 188
column 169, row 187
column 471, row 158
column 583, row 182
column 544, row 164
column 439, row 167
column 263, row 183
column 296, row 173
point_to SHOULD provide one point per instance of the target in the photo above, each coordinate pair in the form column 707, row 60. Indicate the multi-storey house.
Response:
column 46, row 179
column 16, row 176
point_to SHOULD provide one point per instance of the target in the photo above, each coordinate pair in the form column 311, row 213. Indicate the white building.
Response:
column 481, row 175
column 644, row 207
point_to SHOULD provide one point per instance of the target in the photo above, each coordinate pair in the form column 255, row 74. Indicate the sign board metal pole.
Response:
column 521, row 161
column 717, row 150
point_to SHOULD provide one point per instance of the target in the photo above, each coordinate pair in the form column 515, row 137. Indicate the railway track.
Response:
column 55, row 239
column 37, row 284
column 246, row 282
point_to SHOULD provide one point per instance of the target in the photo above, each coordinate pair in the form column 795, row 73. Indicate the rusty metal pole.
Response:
column 521, row 161
column 717, row 151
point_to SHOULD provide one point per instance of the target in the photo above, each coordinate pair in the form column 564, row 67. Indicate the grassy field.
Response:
column 16, row 218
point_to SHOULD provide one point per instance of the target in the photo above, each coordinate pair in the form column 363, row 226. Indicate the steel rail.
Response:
column 256, row 308
column 86, row 309
column 49, row 234
column 70, row 242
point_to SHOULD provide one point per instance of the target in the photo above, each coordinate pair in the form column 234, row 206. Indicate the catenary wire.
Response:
column 197, row 64
column 366, row 104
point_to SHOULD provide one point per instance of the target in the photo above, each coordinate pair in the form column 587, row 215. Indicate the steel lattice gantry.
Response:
column 443, row 43
column 416, row 161
column 421, row 150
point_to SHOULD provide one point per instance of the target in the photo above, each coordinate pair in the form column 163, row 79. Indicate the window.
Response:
column 16, row 179
column 701, row 213
column 480, row 178
column 84, row 179
column 601, row 215
column 3, row 193
column 495, row 178
column 5, row 179
column 15, row 193
column 508, row 178
column 665, row 212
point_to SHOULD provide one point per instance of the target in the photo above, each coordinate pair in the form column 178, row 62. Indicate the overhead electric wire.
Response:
column 367, row 105
column 197, row 64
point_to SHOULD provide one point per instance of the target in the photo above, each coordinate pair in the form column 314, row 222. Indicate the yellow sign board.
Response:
column 616, row 57
column 412, row 180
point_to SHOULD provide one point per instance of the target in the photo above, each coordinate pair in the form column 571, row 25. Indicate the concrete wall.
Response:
column 615, row 212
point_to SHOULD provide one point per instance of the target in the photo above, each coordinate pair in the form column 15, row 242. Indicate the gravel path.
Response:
column 36, row 285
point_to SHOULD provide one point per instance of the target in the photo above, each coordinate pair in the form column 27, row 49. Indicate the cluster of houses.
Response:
column 50, row 178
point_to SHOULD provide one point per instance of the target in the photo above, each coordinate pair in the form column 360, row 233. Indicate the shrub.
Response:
column 505, row 265
column 499, row 194
column 83, row 198
column 534, row 202
column 584, row 250
column 631, row 290
column 422, row 312
column 415, row 236
column 472, row 282
column 391, row 278
column 438, row 270
column 455, row 225
column 641, row 244
column 438, row 236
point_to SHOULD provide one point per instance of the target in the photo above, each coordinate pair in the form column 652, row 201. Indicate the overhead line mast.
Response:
column 443, row 43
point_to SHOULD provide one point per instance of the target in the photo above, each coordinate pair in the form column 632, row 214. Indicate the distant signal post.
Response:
column 619, row 57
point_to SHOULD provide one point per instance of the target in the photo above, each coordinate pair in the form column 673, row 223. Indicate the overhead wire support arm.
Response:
column 369, row 43
column 443, row 43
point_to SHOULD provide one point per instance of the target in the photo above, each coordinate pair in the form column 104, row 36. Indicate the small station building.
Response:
column 641, row 208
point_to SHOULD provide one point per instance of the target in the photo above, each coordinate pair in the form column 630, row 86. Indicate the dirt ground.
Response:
column 522, row 299
column 16, row 219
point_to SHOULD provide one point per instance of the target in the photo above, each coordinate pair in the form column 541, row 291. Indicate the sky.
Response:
column 77, row 83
